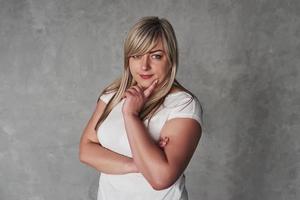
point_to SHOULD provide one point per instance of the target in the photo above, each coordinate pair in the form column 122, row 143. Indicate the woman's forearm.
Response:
column 105, row 160
column 148, row 157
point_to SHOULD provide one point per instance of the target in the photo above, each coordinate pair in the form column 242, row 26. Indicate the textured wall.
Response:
column 240, row 57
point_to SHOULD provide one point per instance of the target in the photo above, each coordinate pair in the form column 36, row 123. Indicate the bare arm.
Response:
column 93, row 154
column 162, row 167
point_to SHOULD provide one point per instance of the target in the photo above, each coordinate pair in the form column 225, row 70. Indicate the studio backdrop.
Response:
column 239, row 57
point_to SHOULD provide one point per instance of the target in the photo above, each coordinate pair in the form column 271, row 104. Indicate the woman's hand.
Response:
column 136, row 97
column 163, row 141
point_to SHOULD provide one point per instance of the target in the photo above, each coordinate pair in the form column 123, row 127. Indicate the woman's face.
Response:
column 150, row 66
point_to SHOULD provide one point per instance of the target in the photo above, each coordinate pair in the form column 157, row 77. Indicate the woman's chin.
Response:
column 143, row 85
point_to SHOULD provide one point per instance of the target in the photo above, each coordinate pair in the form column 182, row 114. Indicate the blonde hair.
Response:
column 141, row 38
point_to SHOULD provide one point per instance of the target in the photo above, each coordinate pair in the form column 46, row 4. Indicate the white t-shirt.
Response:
column 112, row 135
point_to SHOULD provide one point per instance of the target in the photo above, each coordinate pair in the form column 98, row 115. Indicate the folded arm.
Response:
column 162, row 167
column 93, row 154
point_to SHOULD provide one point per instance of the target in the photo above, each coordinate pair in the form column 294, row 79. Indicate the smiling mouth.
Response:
column 146, row 76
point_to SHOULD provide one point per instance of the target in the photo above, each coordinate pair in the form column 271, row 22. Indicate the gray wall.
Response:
column 241, row 58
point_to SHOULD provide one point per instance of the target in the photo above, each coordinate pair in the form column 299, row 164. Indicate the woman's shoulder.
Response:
column 178, row 95
column 106, row 96
column 181, row 103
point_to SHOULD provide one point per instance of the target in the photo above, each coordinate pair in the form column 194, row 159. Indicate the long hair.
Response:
column 141, row 38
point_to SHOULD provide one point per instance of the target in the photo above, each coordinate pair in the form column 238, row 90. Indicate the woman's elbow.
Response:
column 81, row 157
column 162, row 183
column 82, row 154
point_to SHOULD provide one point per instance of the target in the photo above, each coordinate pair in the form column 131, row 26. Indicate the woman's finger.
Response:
column 129, row 93
column 150, row 89
column 132, row 91
column 138, row 89
column 163, row 141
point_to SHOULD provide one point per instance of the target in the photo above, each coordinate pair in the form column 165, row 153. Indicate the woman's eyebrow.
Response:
column 156, row 51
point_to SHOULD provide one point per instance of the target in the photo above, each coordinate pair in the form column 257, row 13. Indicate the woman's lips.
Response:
column 146, row 76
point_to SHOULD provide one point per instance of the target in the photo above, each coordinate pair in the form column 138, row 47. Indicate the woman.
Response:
column 146, row 126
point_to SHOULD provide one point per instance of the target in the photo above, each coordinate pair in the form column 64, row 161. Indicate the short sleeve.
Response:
column 106, row 97
column 187, row 108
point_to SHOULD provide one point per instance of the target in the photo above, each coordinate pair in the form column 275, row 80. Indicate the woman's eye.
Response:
column 156, row 56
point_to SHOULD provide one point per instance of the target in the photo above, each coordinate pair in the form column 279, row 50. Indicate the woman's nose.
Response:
column 145, row 62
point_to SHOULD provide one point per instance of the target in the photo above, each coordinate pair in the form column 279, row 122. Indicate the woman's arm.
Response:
column 162, row 167
column 93, row 154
